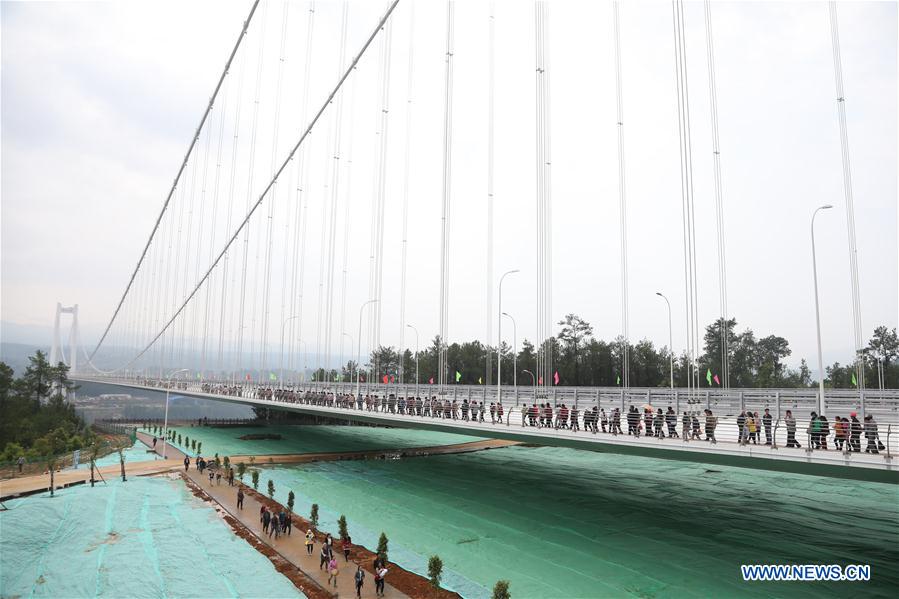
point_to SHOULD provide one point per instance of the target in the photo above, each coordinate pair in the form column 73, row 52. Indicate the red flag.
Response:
column 385, row 378
column 556, row 377
column 392, row 379
column 716, row 379
column 540, row 381
column 431, row 381
column 248, row 377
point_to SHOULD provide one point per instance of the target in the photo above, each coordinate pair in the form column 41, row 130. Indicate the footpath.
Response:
column 291, row 548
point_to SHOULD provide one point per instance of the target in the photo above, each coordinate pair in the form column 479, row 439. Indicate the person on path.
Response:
column 239, row 498
column 324, row 556
column 218, row 477
column 766, row 422
column 347, row 544
column 333, row 571
column 154, row 442
column 359, row 577
column 20, row 462
column 310, row 538
column 231, row 477
column 266, row 520
column 379, row 580
column 186, row 463
column 289, row 524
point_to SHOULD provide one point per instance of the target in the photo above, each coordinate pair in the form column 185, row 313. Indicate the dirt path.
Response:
column 291, row 548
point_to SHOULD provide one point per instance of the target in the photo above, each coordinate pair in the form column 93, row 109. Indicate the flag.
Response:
column 199, row 376
column 272, row 377
column 431, row 381
column 618, row 381
column 392, row 379
column 540, row 380
column 556, row 378
column 854, row 380
column 385, row 379
column 480, row 380
column 248, row 377
column 708, row 376
column 458, row 376
column 718, row 382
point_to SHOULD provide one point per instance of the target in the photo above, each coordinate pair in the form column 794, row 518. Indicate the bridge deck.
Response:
column 727, row 451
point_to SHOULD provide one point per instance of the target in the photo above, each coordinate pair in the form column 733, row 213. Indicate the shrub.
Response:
column 255, row 480
column 241, row 470
column 382, row 547
column 290, row 498
column 501, row 590
column 227, row 462
column 435, row 570
column 199, row 447
column 341, row 527
column 271, row 489
column 313, row 515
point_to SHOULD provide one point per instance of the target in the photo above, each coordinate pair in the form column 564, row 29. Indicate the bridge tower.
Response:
column 57, row 352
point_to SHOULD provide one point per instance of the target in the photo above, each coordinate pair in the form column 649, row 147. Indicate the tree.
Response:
column 227, row 462
column 341, row 528
column 382, row 547
column 313, row 515
column 255, row 477
column 770, row 351
column 186, row 442
column 193, row 445
column 290, row 499
column 51, row 467
column 435, row 570
column 241, row 470
column 199, row 446
column 179, row 438
column 575, row 331
column 271, row 489
column 501, row 590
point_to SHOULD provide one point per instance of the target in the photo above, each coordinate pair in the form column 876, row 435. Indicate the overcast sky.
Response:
column 100, row 99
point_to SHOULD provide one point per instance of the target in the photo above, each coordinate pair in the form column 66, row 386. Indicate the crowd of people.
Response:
column 651, row 421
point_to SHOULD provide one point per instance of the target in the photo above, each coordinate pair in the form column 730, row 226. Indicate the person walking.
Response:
column 379, row 581
column 333, row 571
column 791, row 429
column 310, row 539
column 324, row 556
column 239, row 498
column 766, row 422
column 711, row 423
column 359, row 578
column 347, row 545
column 231, row 477
column 186, row 463
column 855, row 433
column 266, row 520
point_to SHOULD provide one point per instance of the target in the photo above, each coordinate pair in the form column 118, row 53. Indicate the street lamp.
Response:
column 165, row 424
column 281, row 365
column 499, row 344
column 670, row 344
column 818, row 313
column 514, row 352
column 351, row 342
column 534, row 381
column 359, row 346
column 416, row 357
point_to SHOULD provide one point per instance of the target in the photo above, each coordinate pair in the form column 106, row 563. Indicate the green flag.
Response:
column 619, row 380
column 458, row 376
column 199, row 376
column 854, row 380
column 272, row 377
column 708, row 376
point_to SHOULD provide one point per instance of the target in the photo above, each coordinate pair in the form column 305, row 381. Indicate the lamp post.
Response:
column 670, row 344
column 351, row 344
column 165, row 424
column 499, row 344
column 533, row 380
column 514, row 352
column 416, row 357
column 281, row 364
column 818, row 313
column 359, row 346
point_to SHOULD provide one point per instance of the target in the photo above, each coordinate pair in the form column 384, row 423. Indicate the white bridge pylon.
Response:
column 57, row 352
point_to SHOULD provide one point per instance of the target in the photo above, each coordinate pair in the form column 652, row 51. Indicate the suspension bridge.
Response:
column 268, row 245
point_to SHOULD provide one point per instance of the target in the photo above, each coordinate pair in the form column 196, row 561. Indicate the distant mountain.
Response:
column 15, row 355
